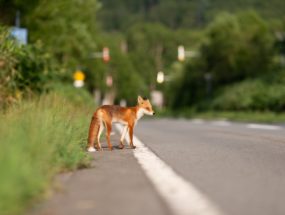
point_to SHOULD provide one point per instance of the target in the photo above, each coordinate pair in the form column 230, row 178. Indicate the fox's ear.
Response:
column 140, row 99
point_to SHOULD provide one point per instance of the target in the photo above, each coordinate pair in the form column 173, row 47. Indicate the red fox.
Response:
column 107, row 114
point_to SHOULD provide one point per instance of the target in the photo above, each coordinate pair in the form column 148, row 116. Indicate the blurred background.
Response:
column 192, row 58
column 190, row 55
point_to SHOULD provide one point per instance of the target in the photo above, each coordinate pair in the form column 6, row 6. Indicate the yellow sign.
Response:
column 79, row 76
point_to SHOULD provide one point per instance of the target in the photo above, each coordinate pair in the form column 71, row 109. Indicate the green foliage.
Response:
column 191, row 87
column 79, row 97
column 235, row 48
column 242, row 116
column 153, row 48
column 8, row 61
column 120, row 15
column 35, row 69
column 128, row 82
column 38, row 139
column 8, row 9
column 25, row 70
column 67, row 30
column 251, row 95
column 232, row 46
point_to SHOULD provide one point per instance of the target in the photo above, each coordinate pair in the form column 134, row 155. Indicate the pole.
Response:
column 18, row 19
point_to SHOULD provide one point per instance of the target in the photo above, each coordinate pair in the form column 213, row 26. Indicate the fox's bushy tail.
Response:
column 93, row 130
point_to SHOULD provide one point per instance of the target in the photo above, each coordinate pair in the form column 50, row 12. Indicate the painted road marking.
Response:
column 264, row 127
column 225, row 123
column 182, row 197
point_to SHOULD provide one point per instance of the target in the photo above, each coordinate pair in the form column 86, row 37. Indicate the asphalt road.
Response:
column 240, row 168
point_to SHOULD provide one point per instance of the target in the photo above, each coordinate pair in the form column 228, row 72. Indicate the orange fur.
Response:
column 107, row 114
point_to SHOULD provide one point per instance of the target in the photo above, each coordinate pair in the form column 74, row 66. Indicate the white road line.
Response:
column 182, row 197
column 264, row 127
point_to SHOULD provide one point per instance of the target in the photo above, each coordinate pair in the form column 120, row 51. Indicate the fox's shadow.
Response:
column 116, row 147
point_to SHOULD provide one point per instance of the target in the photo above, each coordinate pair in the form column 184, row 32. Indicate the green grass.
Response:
column 241, row 116
column 38, row 140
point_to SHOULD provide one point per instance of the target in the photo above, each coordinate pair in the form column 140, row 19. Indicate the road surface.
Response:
column 236, row 169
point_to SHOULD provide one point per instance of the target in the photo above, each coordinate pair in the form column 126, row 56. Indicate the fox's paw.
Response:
column 121, row 146
column 91, row 149
column 133, row 147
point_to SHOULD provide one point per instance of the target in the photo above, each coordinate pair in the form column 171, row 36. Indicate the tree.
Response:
column 66, row 28
column 235, row 48
column 238, row 47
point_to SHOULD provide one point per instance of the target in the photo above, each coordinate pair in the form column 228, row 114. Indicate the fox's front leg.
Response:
column 121, row 146
column 131, row 130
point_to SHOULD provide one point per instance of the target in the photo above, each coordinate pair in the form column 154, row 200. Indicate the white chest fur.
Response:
column 140, row 113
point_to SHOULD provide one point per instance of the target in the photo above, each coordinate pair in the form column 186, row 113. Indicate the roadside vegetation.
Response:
column 237, row 116
column 39, row 138
column 237, row 45
column 237, row 72
column 43, row 124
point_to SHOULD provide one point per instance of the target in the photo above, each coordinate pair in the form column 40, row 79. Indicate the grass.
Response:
column 38, row 140
column 241, row 116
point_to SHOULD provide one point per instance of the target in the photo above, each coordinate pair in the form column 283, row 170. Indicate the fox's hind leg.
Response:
column 109, row 129
column 98, row 144
column 121, row 146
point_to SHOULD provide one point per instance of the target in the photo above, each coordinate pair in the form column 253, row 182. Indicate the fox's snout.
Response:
column 148, row 112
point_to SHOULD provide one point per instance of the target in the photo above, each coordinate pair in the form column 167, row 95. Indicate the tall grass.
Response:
column 37, row 140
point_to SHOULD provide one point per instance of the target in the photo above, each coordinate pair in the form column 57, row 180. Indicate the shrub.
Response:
column 251, row 95
column 38, row 139
column 25, row 70
column 79, row 97
column 234, row 48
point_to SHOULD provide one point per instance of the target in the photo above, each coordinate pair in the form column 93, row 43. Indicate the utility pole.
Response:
column 200, row 14
column 18, row 19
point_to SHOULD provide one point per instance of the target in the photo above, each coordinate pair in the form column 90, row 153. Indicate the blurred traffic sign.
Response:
column 109, row 80
column 157, row 98
column 106, row 54
column 79, row 75
column 160, row 77
column 79, row 78
column 181, row 53
column 20, row 34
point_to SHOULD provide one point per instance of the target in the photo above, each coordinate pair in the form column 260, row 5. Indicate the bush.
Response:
column 234, row 48
column 38, row 139
column 25, row 70
column 237, row 47
column 251, row 95
column 79, row 97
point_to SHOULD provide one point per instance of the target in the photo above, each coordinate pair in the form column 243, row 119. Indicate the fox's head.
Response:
column 145, row 106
